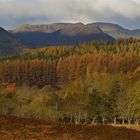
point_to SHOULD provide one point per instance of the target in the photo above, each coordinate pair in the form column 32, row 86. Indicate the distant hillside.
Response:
column 59, row 34
column 116, row 30
column 9, row 44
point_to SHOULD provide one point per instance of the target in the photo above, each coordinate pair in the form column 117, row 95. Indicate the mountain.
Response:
column 49, row 28
column 55, row 34
column 116, row 30
column 9, row 44
column 59, row 34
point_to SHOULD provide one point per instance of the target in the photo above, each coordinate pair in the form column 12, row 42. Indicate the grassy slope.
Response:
column 24, row 129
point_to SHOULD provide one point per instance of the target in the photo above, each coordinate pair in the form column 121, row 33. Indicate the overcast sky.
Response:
column 17, row 12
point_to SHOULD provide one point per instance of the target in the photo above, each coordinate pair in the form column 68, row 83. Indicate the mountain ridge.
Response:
column 112, row 29
column 59, row 34
column 116, row 31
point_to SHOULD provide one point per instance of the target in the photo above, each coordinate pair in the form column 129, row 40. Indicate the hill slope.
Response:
column 116, row 30
column 9, row 44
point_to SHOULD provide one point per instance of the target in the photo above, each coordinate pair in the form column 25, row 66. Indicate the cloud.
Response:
column 125, row 12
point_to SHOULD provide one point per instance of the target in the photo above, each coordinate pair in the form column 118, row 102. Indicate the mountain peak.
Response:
column 79, row 23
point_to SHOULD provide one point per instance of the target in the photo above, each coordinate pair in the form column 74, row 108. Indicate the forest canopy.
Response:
column 63, row 64
column 91, row 82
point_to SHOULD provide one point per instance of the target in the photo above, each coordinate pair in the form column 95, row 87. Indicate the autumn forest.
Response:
column 94, row 82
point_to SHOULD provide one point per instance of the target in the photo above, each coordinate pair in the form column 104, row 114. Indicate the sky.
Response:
column 17, row 12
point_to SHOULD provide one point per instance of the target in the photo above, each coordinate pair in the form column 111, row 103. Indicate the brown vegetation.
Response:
column 12, row 128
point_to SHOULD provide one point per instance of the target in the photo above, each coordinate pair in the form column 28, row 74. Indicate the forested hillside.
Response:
column 88, row 83
column 64, row 64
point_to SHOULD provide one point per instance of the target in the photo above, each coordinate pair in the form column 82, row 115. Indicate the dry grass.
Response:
column 133, row 127
column 12, row 128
